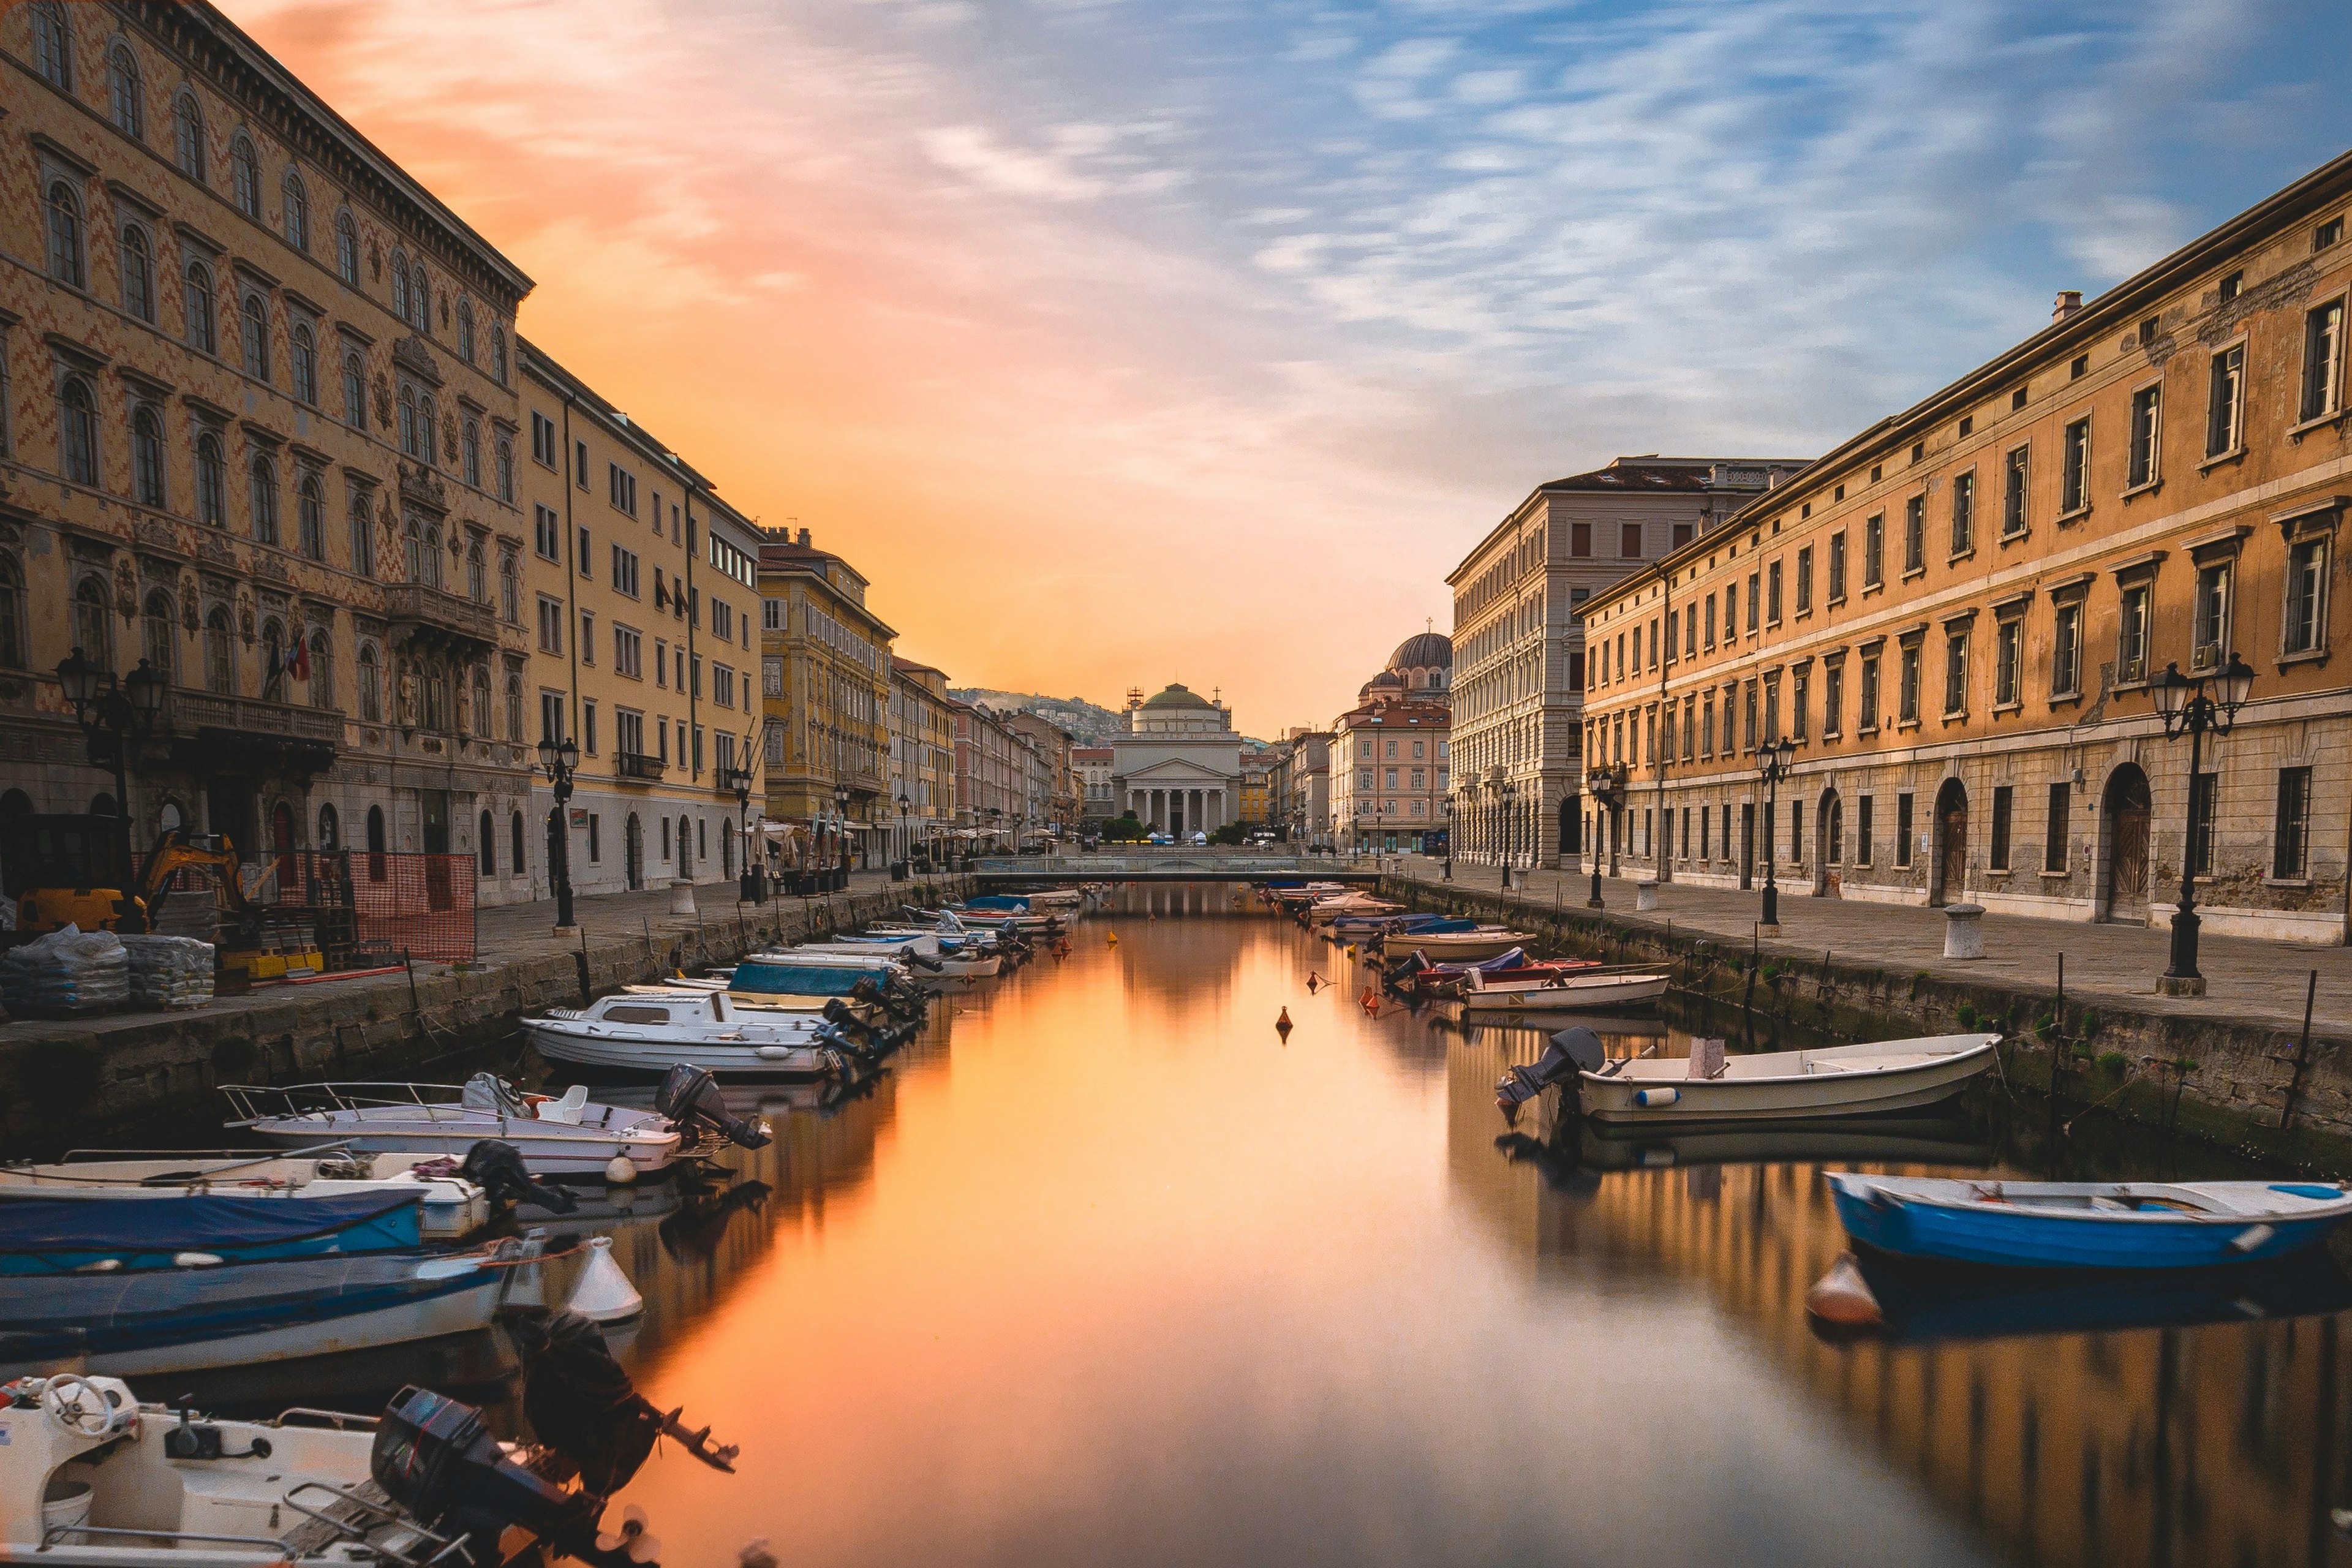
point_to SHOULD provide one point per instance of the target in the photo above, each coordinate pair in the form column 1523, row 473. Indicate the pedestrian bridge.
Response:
column 1194, row 865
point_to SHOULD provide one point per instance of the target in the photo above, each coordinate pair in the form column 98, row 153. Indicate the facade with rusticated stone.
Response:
column 259, row 428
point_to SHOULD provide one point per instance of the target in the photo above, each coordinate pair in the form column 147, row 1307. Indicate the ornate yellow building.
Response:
column 825, row 686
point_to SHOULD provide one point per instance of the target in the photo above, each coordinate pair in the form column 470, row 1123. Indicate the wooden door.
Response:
column 2128, row 809
column 1952, row 831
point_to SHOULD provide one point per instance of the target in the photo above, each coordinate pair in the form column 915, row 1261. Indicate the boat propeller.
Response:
column 1570, row 1051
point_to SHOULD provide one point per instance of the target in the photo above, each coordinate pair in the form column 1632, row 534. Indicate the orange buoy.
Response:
column 1110, row 939
column 1370, row 1002
column 1841, row 1298
column 1314, row 982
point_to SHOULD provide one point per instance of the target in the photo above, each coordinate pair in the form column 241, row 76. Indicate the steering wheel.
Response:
column 82, row 1409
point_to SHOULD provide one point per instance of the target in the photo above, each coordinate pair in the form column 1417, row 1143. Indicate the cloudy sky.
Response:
column 1127, row 341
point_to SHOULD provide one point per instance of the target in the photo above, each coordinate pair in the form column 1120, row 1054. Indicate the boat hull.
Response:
column 779, row 1061
column 1451, row 950
column 1575, row 997
column 2026, row 1237
column 562, row 1152
column 1784, row 1098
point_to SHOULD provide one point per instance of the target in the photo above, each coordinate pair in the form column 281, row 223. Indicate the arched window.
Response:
column 303, row 365
column 514, row 718
column 331, row 828
column 261, row 495
column 473, row 452
column 477, row 581
column 138, row 269
column 310, row 516
column 159, row 639
column 371, row 686
column 77, row 432
column 147, row 456
column 62, row 213
column 254, row 336
column 188, row 135
column 375, row 867
column 322, row 670
column 347, row 248
column 410, row 441
column 482, row 706
column 516, row 861
column 52, row 45
column 412, row 538
column 220, row 653
column 506, row 468
column 427, row 435
column 420, row 300
column 433, row 555
column 212, row 482
column 399, row 284
column 498, row 353
column 196, row 304
column 361, row 516
column 297, row 198
column 355, row 391
column 486, row 847
column 466, row 331
column 93, row 623
column 12, row 614
column 432, row 697
column 509, row 591
column 123, row 98
column 245, row 177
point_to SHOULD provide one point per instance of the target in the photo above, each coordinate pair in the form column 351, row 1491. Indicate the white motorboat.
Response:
column 449, row 1206
column 1568, row 992
column 1455, row 946
column 707, row 1029
column 1325, row 912
column 927, row 956
column 1835, row 1081
column 556, row 1137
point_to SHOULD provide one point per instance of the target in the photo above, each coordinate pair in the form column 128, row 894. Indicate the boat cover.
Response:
column 50, row 1226
column 998, row 901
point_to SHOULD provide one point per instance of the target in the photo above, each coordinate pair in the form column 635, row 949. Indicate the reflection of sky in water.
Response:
column 1123, row 1276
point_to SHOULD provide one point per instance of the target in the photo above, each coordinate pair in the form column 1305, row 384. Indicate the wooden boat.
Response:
column 566, row 1136
column 2086, row 1225
column 1786, row 1086
column 651, row 1034
column 1568, row 992
column 1455, row 946
column 450, row 1206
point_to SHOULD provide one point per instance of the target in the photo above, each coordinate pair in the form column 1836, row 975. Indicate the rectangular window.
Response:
column 2209, row 634
column 2054, row 833
column 1673, row 631
column 621, row 489
column 1580, row 540
column 2002, row 800
column 629, row 653
column 580, row 464
column 1837, row 566
column 588, row 728
column 629, row 732
column 1964, row 514
column 1956, row 673
column 1866, row 721
column 542, row 439
column 2075, row 469
column 551, row 716
column 587, row 557
column 1747, row 719
column 1805, row 580
column 1861, row 830
column 547, row 533
column 1832, row 700
column 2323, row 361
column 625, row 571
column 2225, row 402
column 2146, row 418
column 661, row 663
column 2306, row 592
column 1873, row 550
column 1903, row 830
column 1705, row 829
column 595, row 834
column 1773, row 593
column 1391, row 774
column 1800, row 699
column 1690, row 722
column 1711, row 623
column 1754, row 603
column 1707, row 727
column 2292, row 832
column 550, row 624
column 2204, row 791
column 2066, row 652
column 1629, row 541
column 1730, row 613
column 2131, row 634
column 1771, row 730
column 1796, row 831
column 1682, row 537
column 2008, row 654
column 2015, row 477
column 1907, row 697
column 587, row 637
column 1914, row 535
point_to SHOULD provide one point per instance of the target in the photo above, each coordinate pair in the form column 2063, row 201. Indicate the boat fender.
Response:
column 621, row 1170
column 1842, row 1298
column 2251, row 1237
column 604, row 1294
column 773, row 1053
column 196, row 1259
column 1656, row 1097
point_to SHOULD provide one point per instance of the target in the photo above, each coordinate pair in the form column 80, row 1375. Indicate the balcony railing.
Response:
column 437, row 614
column 637, row 767
column 193, row 711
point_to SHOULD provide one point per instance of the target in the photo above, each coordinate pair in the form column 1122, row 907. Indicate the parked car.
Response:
column 1162, row 839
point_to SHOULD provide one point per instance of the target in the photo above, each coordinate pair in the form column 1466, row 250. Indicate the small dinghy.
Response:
column 1777, row 1086
column 556, row 1137
column 2086, row 1225
column 451, row 1206
column 650, row 1034
column 1562, row 990
column 1455, row 946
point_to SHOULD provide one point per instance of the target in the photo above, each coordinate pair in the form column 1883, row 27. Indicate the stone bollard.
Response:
column 1964, row 931
column 681, row 896
column 1645, row 895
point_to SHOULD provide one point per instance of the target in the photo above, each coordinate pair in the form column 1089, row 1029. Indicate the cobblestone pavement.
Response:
column 512, row 930
column 2244, row 979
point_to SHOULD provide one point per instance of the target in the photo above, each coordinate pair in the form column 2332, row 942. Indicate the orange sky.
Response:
column 1010, row 421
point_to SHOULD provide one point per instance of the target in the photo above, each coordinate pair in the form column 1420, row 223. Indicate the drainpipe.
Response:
column 570, row 616
column 1662, row 860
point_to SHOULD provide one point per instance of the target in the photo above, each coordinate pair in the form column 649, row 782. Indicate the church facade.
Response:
column 1178, row 764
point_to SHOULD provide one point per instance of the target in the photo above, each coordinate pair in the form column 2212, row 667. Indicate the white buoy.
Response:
column 621, row 1170
column 1842, row 1298
column 604, row 1294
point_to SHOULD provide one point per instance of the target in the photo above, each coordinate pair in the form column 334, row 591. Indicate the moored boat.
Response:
column 2086, row 1225
column 1833, row 1080
column 566, row 1136
column 449, row 1206
column 652, row 1033
column 1444, row 946
column 1566, row 990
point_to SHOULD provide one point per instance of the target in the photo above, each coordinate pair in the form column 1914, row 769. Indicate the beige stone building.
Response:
column 258, row 422
column 922, row 754
column 1518, row 674
column 1391, row 768
column 1959, row 616
column 825, row 662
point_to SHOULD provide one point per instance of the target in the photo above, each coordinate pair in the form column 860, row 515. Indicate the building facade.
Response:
column 1257, row 793
column 991, row 771
column 1179, row 765
column 1051, row 787
column 1518, row 684
column 1298, row 786
column 1094, row 765
column 258, row 429
column 922, row 755
column 825, row 682
column 1962, row 620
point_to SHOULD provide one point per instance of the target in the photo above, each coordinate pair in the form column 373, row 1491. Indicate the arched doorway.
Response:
column 1570, row 807
column 485, row 846
column 727, row 852
column 282, row 846
column 1829, row 844
column 375, row 844
column 633, row 852
column 2123, row 810
column 1949, row 870
column 330, row 830
column 685, row 849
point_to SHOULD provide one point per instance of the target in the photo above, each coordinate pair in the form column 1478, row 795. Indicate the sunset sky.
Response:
column 1120, row 342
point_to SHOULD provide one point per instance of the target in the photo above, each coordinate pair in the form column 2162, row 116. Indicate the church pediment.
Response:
column 1175, row 771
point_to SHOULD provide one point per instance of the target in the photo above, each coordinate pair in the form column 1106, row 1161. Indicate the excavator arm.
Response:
column 176, row 849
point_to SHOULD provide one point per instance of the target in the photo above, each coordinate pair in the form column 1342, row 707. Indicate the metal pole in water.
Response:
column 2302, row 1054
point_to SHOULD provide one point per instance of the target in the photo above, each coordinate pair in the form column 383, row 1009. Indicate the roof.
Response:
column 1178, row 695
column 1423, row 650
column 1650, row 475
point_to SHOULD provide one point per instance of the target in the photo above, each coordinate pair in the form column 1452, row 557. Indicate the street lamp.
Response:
column 1449, row 838
column 1772, row 761
column 841, row 833
column 560, row 761
column 1506, row 792
column 748, row 887
column 906, row 842
column 112, row 715
column 2191, row 707
column 1608, row 787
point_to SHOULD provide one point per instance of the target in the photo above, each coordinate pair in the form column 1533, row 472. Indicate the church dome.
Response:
column 1423, row 650
column 1177, row 696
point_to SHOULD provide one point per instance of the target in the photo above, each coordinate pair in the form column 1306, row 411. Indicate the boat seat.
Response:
column 568, row 1109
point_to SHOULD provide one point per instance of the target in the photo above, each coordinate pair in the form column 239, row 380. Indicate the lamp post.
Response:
column 2192, row 707
column 1772, row 761
column 1449, row 838
column 559, row 760
column 113, row 714
column 1608, row 787
column 906, row 841
column 1507, row 793
column 747, row 887
column 841, row 833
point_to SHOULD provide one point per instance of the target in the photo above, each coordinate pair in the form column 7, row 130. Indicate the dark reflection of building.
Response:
column 2210, row 1445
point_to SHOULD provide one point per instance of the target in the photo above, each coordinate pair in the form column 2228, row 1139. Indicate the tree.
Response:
column 1124, row 829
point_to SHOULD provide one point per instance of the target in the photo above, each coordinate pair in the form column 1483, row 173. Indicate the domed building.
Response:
column 1390, row 775
column 1422, row 667
column 1178, row 764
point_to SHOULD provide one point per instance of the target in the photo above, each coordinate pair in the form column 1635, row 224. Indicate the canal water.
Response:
column 1108, row 1270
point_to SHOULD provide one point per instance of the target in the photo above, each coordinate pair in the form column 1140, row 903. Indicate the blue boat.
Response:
column 2086, row 1225
column 806, row 976
column 69, row 1235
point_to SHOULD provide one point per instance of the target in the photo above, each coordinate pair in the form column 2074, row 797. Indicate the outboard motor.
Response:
column 498, row 1168
column 1395, row 976
column 917, row 960
column 690, row 1096
column 582, row 1405
column 1571, row 1051
column 836, row 1013
column 441, row 1462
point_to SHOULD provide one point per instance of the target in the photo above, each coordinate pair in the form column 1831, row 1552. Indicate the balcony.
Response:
column 228, row 733
column 438, row 618
column 636, row 767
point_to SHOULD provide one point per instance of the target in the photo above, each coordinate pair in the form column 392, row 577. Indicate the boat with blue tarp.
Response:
column 45, row 1237
column 2086, row 1225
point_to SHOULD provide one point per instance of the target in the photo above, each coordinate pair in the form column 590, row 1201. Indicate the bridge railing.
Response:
column 1238, row 865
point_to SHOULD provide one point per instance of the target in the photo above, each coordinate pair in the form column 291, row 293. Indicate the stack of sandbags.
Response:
column 168, row 970
column 65, row 974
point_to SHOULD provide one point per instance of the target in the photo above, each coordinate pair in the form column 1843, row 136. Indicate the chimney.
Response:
column 804, row 534
column 2069, row 301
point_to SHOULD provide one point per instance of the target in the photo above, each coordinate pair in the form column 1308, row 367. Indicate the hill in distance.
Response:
column 1085, row 722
